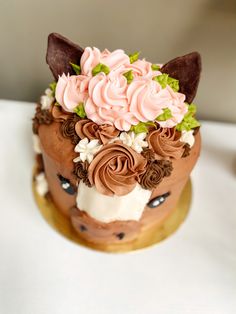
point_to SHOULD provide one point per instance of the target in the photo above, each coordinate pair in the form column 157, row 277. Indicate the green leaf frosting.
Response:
column 76, row 68
column 134, row 57
column 189, row 122
column 192, row 108
column 165, row 115
column 164, row 80
column 129, row 76
column 79, row 110
column 173, row 83
column 53, row 86
column 155, row 67
column 142, row 127
column 100, row 68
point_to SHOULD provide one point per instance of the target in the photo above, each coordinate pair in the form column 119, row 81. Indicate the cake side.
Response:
column 94, row 230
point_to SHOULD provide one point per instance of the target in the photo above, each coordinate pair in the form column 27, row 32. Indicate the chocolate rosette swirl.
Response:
column 42, row 116
column 155, row 172
column 166, row 166
column 81, row 172
column 165, row 142
column 187, row 150
column 152, row 177
column 68, row 129
column 91, row 130
column 148, row 154
column 116, row 169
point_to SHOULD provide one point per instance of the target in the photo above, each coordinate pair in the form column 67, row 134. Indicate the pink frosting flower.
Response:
column 175, row 102
column 107, row 102
column 142, row 68
column 147, row 99
column 109, row 99
column 90, row 58
column 93, row 56
column 71, row 90
column 114, row 59
column 139, row 68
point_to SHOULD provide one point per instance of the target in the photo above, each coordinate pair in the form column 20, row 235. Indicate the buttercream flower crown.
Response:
column 128, row 118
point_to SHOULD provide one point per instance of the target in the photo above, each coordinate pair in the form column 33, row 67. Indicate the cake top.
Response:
column 127, row 118
column 122, row 90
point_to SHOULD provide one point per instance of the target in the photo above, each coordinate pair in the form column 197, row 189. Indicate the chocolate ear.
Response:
column 187, row 70
column 60, row 53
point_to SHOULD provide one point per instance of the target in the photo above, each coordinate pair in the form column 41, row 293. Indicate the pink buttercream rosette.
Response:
column 110, row 99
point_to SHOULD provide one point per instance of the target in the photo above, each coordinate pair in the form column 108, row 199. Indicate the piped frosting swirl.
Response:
column 116, row 169
column 166, row 143
column 91, row 130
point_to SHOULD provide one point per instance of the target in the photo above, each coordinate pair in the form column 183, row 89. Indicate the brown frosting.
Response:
column 81, row 171
column 39, row 163
column 165, row 142
column 95, row 231
column 196, row 130
column 116, row 169
column 68, row 129
column 59, row 114
column 148, row 154
column 58, row 154
column 155, row 172
column 42, row 116
column 166, row 166
column 187, row 150
column 152, row 177
column 91, row 130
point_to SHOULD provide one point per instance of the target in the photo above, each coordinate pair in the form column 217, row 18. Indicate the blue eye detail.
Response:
column 157, row 201
column 66, row 185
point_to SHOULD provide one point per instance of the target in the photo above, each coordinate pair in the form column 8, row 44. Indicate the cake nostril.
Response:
column 120, row 235
column 83, row 228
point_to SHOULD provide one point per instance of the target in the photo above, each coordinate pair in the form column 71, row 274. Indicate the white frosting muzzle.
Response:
column 110, row 208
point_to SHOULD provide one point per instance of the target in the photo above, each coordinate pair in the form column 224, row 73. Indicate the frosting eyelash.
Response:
column 66, row 185
column 158, row 200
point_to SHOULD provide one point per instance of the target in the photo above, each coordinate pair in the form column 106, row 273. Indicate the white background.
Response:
column 194, row 271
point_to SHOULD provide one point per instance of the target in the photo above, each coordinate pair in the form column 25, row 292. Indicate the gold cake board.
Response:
column 146, row 238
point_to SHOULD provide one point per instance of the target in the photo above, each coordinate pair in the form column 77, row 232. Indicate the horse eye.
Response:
column 66, row 185
column 158, row 200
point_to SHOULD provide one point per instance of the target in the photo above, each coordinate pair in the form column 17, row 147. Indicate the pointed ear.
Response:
column 60, row 53
column 187, row 70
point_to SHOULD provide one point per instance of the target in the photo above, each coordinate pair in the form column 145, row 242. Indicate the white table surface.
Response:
column 193, row 271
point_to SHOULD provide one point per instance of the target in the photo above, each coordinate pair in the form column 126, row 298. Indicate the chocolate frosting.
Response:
column 116, row 169
column 165, row 142
column 39, row 163
column 196, row 130
column 156, row 170
column 58, row 154
column 60, row 52
column 187, row 70
column 59, row 115
column 148, row 154
column 42, row 116
column 166, row 166
column 68, row 129
column 81, row 171
column 187, row 150
column 91, row 130
column 152, row 177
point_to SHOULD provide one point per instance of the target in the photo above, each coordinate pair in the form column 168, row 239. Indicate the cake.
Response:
column 115, row 138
